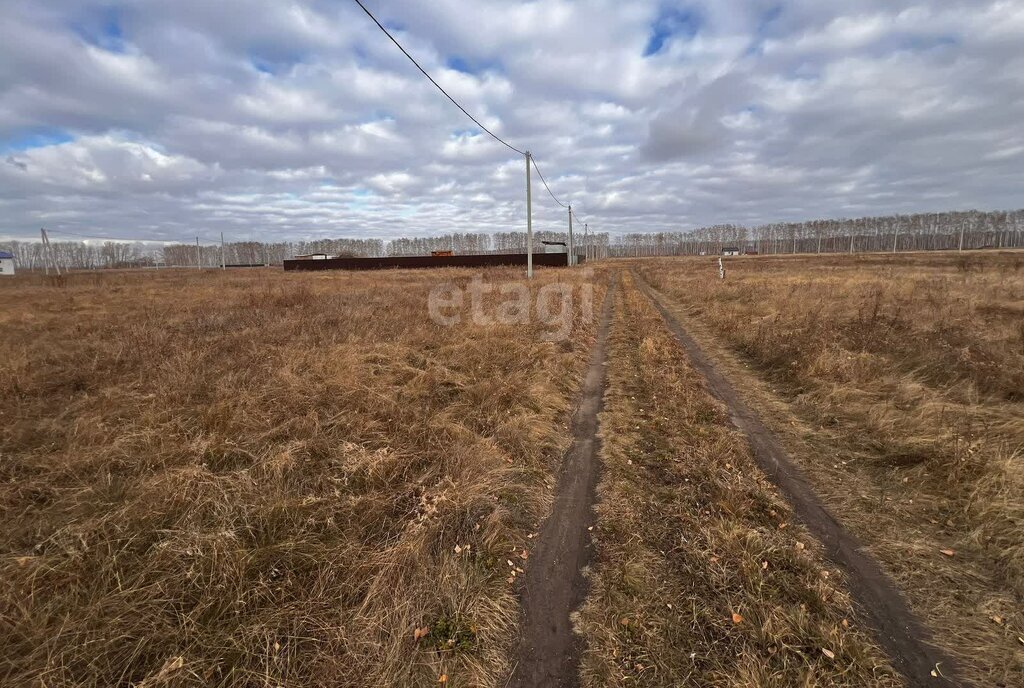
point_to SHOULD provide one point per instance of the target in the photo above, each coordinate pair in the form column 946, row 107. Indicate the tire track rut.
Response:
column 554, row 585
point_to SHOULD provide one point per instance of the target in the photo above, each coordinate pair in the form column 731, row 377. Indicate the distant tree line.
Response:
column 28, row 255
column 920, row 232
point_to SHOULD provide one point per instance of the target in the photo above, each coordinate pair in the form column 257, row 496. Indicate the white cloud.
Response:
column 147, row 119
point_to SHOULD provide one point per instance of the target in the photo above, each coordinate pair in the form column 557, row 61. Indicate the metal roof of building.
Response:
column 5, row 254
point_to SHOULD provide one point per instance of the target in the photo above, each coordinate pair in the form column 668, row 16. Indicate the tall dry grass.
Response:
column 911, row 370
column 267, row 479
column 701, row 575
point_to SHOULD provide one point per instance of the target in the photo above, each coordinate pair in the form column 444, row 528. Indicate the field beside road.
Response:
column 897, row 382
column 253, row 478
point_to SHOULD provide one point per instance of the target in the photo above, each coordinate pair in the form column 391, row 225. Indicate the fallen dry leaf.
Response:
column 624, row 621
column 443, row 678
column 737, row 618
column 828, row 653
column 948, row 552
column 998, row 619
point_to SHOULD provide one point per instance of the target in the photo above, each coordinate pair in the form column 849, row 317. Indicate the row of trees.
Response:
column 929, row 231
column 29, row 255
column 920, row 232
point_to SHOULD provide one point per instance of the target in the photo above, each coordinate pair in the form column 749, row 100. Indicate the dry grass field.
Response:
column 898, row 383
column 267, row 479
column 259, row 478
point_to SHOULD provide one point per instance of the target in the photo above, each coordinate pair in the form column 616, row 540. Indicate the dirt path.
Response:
column 898, row 630
column 554, row 586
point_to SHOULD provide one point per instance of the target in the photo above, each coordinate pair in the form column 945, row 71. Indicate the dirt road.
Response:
column 898, row 630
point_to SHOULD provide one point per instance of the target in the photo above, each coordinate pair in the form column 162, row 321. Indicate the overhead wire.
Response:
column 437, row 85
column 110, row 238
column 550, row 192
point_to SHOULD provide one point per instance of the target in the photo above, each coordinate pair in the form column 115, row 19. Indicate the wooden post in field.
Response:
column 529, row 222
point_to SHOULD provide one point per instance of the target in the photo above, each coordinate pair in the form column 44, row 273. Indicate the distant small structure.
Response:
column 441, row 254
column 555, row 247
column 312, row 256
column 6, row 264
column 731, row 251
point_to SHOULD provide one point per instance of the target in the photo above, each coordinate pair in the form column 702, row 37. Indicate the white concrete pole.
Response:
column 529, row 221
column 46, row 260
column 572, row 249
column 586, row 247
column 199, row 256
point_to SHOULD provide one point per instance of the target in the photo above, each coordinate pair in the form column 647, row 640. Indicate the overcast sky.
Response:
column 276, row 119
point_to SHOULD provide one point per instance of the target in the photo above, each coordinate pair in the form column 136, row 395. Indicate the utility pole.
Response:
column 529, row 221
column 572, row 249
column 851, row 242
column 586, row 247
column 199, row 256
column 223, row 265
column 962, row 225
column 895, row 236
column 48, row 256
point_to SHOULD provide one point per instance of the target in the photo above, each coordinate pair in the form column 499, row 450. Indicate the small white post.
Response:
column 529, row 222
column 721, row 268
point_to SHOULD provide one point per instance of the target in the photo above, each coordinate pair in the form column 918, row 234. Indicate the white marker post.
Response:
column 721, row 268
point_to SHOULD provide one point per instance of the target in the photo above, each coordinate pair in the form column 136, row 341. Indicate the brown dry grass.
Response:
column 690, row 532
column 260, row 479
column 900, row 384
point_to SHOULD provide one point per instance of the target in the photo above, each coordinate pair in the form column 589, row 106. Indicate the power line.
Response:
column 110, row 238
column 546, row 184
column 413, row 60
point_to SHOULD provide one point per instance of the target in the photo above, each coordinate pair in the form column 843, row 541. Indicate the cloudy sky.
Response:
column 299, row 119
